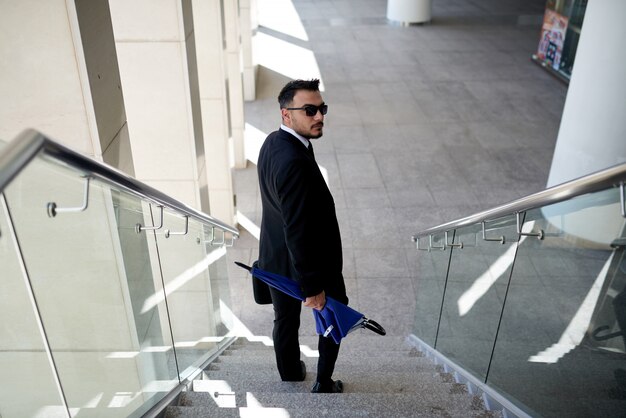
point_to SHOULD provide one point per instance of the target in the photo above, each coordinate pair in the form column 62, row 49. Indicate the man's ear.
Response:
column 286, row 116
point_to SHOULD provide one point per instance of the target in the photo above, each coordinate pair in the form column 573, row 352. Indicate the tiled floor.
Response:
column 426, row 124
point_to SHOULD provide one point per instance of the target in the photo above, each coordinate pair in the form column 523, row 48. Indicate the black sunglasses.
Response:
column 311, row 110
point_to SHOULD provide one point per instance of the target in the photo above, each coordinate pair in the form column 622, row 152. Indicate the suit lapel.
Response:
column 297, row 144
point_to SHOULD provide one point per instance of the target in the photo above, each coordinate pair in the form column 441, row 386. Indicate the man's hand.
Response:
column 316, row 302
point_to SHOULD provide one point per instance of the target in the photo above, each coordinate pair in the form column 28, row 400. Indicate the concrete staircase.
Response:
column 383, row 377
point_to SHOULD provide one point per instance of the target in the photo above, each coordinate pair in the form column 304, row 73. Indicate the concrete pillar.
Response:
column 212, row 85
column 408, row 12
column 234, row 67
column 247, row 10
column 152, row 45
column 105, row 86
column 59, row 75
column 592, row 135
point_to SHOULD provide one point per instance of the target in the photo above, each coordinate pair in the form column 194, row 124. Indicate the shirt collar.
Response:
column 302, row 139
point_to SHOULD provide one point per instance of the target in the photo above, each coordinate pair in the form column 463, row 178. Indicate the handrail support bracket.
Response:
column 139, row 227
column 433, row 247
column 169, row 233
column 446, row 244
column 502, row 239
column 540, row 235
column 622, row 198
column 53, row 210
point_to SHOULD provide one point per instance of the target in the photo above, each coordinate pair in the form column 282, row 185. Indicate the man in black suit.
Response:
column 299, row 230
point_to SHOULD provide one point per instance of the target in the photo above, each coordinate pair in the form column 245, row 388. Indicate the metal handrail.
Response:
column 611, row 177
column 25, row 147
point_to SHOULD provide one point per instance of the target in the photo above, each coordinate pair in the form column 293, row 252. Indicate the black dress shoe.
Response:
column 333, row 387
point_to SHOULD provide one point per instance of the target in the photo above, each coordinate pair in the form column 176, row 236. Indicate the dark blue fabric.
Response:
column 341, row 317
column 334, row 314
column 282, row 283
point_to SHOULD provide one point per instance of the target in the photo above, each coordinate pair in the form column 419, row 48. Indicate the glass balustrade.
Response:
column 541, row 318
column 80, row 280
column 478, row 277
column 29, row 385
column 432, row 274
column 560, row 349
column 156, row 364
column 220, row 289
column 187, row 250
column 130, row 307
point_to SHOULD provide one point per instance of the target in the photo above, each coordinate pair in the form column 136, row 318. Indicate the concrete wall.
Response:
column 151, row 44
column 44, row 83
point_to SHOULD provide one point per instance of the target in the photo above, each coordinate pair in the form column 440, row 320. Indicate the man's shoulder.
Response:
column 282, row 143
column 282, row 136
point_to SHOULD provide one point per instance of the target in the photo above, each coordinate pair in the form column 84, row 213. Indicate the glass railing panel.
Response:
column 560, row 350
column 220, row 283
column 477, row 281
column 432, row 268
column 186, row 260
column 29, row 388
column 87, row 271
column 156, row 363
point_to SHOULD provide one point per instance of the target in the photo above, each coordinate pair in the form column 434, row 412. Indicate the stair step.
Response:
column 376, row 404
column 358, row 383
column 256, row 412
column 261, row 356
column 374, row 365
column 383, row 376
column 371, row 404
column 348, row 351
column 347, row 375
column 263, row 371
column 202, row 412
column 355, row 340
column 355, row 351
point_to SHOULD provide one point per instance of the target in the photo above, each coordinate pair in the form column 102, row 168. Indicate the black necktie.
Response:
column 310, row 148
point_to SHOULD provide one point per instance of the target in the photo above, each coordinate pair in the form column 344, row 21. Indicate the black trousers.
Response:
column 287, row 346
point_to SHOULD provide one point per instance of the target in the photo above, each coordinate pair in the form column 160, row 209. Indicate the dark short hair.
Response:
column 286, row 94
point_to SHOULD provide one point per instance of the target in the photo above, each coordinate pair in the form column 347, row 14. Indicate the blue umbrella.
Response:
column 335, row 319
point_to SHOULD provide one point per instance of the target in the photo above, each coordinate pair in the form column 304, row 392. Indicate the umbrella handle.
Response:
column 374, row 326
column 598, row 337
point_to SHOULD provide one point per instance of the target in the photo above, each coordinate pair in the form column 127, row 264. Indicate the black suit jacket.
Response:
column 299, row 231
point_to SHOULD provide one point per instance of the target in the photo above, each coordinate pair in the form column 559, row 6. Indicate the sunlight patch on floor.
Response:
column 285, row 58
column 281, row 16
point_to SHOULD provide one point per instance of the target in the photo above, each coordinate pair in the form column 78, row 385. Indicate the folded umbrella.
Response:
column 335, row 319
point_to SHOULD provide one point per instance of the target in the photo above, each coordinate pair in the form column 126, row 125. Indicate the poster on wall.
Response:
column 552, row 38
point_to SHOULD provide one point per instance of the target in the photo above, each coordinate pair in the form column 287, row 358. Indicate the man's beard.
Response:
column 308, row 135
column 314, row 136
